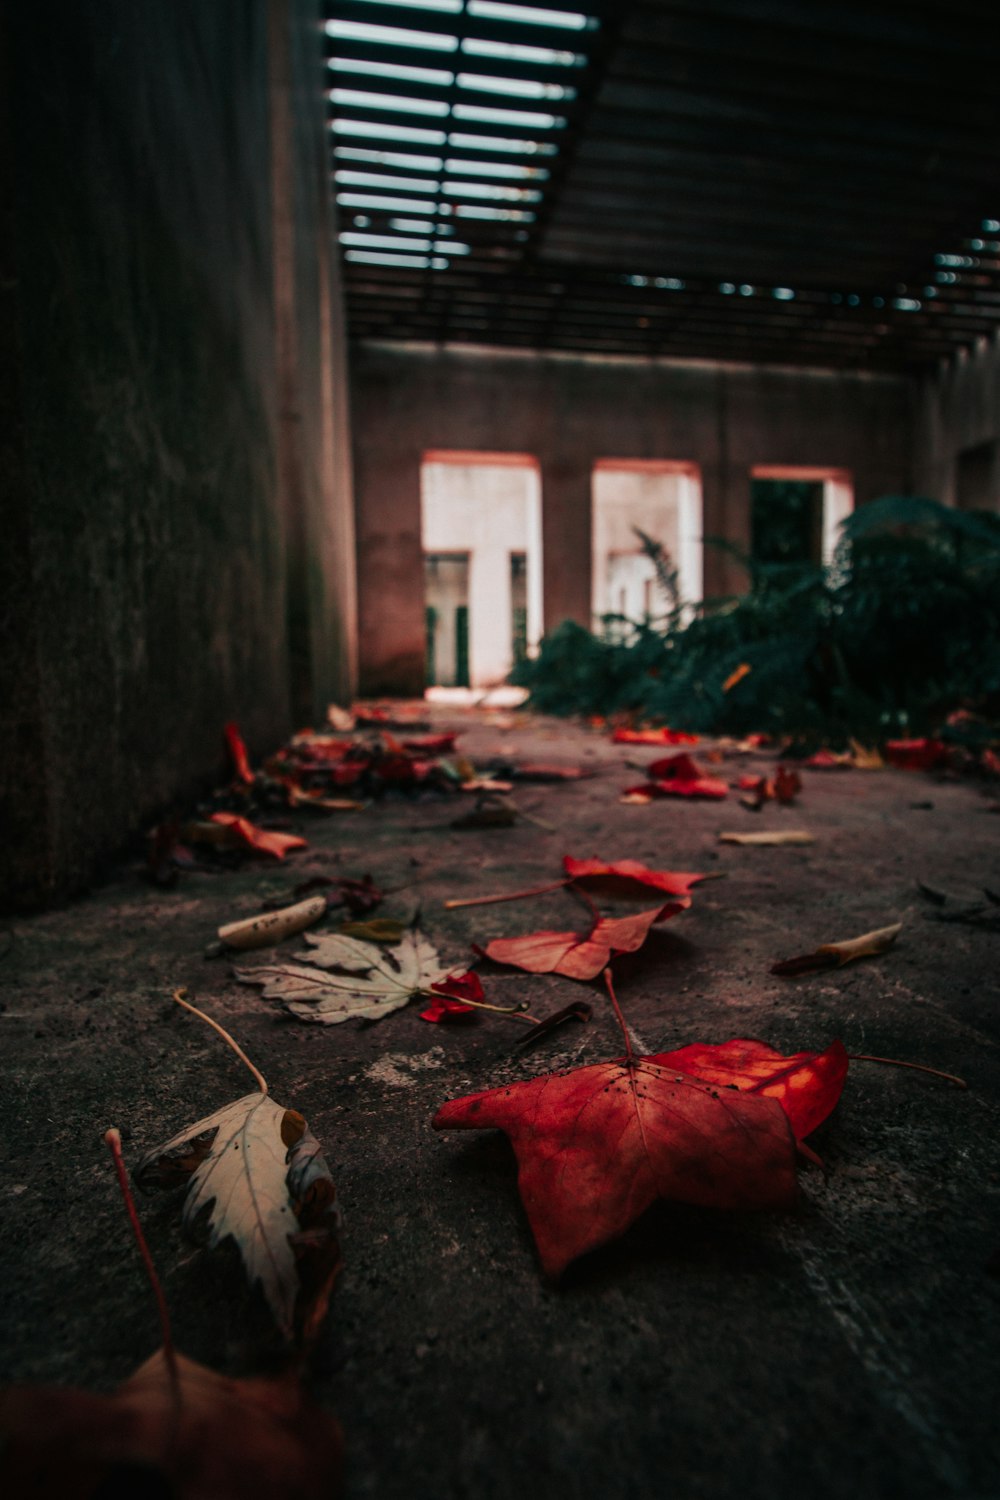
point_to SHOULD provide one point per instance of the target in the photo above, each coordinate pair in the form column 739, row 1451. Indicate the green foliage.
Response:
column 903, row 627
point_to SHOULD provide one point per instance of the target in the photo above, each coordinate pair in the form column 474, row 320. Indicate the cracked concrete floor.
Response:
column 845, row 1349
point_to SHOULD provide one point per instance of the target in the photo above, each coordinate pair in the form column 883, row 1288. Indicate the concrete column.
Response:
column 566, row 540
column 726, row 513
column 390, row 573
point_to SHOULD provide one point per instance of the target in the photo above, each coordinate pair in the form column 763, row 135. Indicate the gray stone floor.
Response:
column 846, row 1349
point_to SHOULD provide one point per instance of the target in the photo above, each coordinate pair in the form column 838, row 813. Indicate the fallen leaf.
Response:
column 344, row 978
column 807, row 1085
column 627, row 878
column 786, row 785
column 597, row 1145
column 486, row 784
column 315, row 801
column 274, row 927
column 736, row 676
column 378, row 930
column 769, row 836
column 678, row 776
column 338, row 718
column 866, row 758
column 834, row 955
column 916, row 755
column 451, row 995
column 431, row 744
column 826, row 760
column 238, row 754
column 662, row 736
column 274, row 845
column 256, row 1172
column 580, row 955
column 204, row 1437
column 544, row 772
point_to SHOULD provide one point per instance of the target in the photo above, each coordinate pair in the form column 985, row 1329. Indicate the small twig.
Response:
column 621, row 1019
column 540, row 890
column 515, row 1012
column 895, row 1062
column 113, row 1140
column 258, row 1075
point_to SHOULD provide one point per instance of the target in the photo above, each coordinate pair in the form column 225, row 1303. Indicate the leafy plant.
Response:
column 901, row 628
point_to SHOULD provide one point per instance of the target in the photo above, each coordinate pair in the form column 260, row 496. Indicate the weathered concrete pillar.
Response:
column 390, row 573
column 566, row 539
column 726, row 514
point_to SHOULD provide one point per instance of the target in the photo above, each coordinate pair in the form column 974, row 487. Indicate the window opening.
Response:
column 663, row 500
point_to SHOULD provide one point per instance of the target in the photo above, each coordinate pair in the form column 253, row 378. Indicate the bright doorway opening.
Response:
column 661, row 499
column 796, row 512
column 482, row 544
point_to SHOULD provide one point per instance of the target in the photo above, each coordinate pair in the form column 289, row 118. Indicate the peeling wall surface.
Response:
column 959, row 419
column 568, row 412
column 151, row 539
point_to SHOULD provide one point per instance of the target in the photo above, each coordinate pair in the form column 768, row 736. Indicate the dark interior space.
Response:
column 467, row 466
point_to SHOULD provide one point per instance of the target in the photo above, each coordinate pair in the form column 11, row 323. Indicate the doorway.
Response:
column 796, row 512
column 481, row 521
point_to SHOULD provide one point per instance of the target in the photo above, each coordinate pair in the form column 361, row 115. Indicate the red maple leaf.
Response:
column 452, row 993
column 627, row 878
column 596, row 1146
column 807, row 1085
column 580, row 955
column 916, row 755
column 678, row 776
column 261, row 841
column 653, row 737
column 238, row 753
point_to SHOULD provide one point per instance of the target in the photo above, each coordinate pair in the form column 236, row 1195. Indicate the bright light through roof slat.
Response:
column 480, row 211
column 514, row 88
column 452, row 247
column 438, row 77
column 488, row 190
column 516, row 52
column 512, row 146
column 527, row 119
column 393, row 205
column 376, row 258
column 389, row 159
column 448, row 7
column 496, row 169
column 384, row 242
column 497, row 10
column 391, row 36
column 382, row 132
column 362, row 99
column 385, row 181
column 420, row 226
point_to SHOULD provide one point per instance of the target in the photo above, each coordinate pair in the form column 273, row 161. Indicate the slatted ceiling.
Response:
column 832, row 162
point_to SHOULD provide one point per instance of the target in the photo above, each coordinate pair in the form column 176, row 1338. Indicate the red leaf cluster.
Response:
column 678, row 776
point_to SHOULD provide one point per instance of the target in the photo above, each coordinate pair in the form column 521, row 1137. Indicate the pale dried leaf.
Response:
column 769, row 836
column 250, row 1167
column 833, row 955
column 344, row 978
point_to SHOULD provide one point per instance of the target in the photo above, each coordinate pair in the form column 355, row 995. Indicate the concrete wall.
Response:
column 569, row 412
column 162, row 350
column 957, row 458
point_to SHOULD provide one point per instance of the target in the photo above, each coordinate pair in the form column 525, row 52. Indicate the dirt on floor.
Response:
column 847, row 1348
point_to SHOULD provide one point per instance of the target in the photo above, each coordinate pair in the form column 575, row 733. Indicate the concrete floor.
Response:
column 846, row 1349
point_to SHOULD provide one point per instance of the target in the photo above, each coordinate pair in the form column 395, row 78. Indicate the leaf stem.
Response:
column 258, row 1075
column 113, row 1141
column 896, row 1062
column 515, row 1012
column 541, row 890
column 621, row 1019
